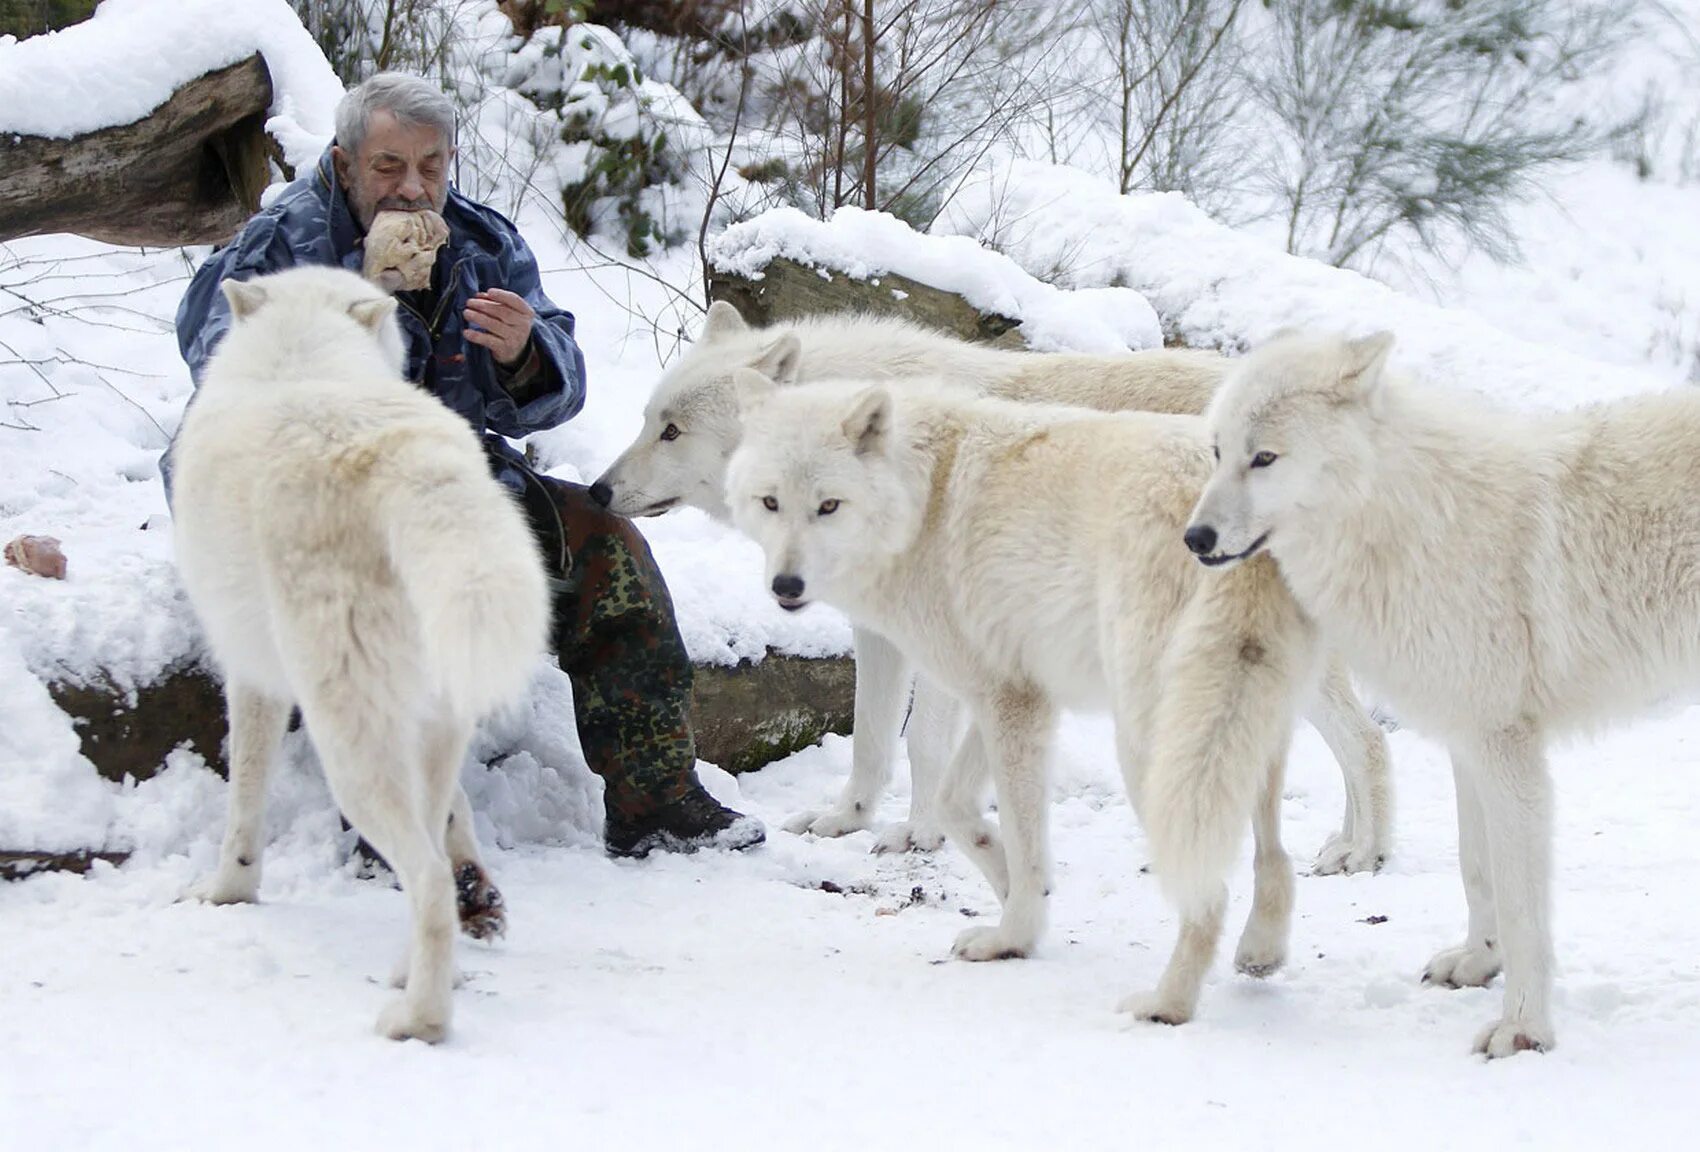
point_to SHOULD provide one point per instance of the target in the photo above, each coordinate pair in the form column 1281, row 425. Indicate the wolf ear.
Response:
column 722, row 321
column 372, row 313
column 1364, row 362
column 782, row 361
column 245, row 298
column 868, row 426
column 752, row 388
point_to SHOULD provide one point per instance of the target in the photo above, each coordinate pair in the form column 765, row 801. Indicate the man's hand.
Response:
column 503, row 322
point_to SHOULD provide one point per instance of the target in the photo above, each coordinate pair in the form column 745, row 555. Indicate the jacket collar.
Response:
column 342, row 232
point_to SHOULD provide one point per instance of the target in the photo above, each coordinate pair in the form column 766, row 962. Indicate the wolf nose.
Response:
column 602, row 494
column 788, row 587
column 1201, row 538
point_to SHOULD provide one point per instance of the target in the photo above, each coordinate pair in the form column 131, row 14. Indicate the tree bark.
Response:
column 190, row 172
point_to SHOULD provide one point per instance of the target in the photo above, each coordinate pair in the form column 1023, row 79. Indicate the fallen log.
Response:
column 190, row 172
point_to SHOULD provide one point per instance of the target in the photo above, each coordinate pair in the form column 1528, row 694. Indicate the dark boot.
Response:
column 696, row 821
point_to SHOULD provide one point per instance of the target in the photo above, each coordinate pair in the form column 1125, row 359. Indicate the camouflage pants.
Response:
column 617, row 641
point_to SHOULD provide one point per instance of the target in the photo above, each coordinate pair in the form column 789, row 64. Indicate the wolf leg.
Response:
column 399, row 799
column 257, row 723
column 1263, row 945
column 1476, row 962
column 1176, row 996
column 483, row 913
column 1515, row 793
column 1016, row 729
column 402, row 822
column 932, row 735
column 882, row 682
column 1359, row 746
column 964, row 818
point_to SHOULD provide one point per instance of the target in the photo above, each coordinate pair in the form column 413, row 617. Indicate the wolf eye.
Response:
column 1263, row 459
column 770, row 503
column 828, row 507
column 671, row 432
column 1215, row 453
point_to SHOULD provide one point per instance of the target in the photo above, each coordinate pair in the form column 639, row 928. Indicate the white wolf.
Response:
column 692, row 424
column 1504, row 577
column 1028, row 558
column 346, row 549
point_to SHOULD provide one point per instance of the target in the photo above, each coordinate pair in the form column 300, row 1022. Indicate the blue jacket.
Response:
column 310, row 223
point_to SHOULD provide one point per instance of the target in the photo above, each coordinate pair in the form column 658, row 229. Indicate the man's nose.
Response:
column 412, row 186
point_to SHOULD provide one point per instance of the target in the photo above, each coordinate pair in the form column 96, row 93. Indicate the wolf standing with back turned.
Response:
column 347, row 551
column 486, row 341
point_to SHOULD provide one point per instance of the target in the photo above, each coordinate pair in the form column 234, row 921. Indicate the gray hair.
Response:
column 410, row 99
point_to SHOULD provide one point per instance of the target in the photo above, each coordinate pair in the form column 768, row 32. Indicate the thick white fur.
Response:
column 1028, row 559
column 1504, row 577
column 346, row 549
column 698, row 397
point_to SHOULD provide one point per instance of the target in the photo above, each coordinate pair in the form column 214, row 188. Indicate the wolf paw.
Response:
column 834, row 822
column 1155, row 1008
column 240, row 887
column 483, row 912
column 908, row 836
column 1259, row 958
column 1344, row 856
column 401, row 1021
column 989, row 943
column 1509, row 1037
column 398, row 975
column 1467, row 967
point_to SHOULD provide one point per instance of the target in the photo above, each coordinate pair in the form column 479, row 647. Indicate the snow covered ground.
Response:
column 802, row 994
column 734, row 1002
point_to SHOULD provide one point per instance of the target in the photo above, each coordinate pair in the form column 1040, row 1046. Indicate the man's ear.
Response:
column 1365, row 364
column 372, row 313
column 245, row 298
column 722, row 320
column 782, row 360
column 868, row 426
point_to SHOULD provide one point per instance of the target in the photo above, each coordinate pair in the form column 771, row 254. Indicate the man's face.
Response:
column 404, row 167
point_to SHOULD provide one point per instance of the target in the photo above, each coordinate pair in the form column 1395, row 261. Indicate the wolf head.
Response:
column 692, row 424
column 826, row 482
column 1291, row 427
column 317, row 315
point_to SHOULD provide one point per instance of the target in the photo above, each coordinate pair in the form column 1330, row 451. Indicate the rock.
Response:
column 788, row 290
column 190, row 172
column 18, row 865
column 130, row 735
column 754, row 714
column 25, row 18
column 744, row 717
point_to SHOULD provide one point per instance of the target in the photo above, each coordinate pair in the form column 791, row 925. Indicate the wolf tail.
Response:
column 1219, row 737
column 473, row 575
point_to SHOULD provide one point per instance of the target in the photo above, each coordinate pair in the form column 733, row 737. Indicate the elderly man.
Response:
column 485, row 340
